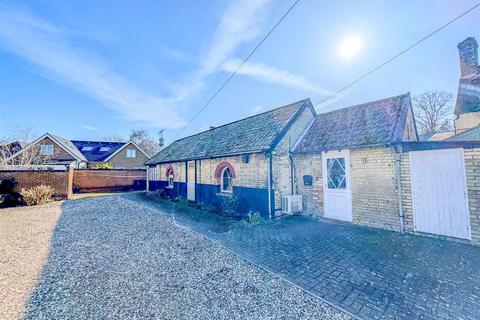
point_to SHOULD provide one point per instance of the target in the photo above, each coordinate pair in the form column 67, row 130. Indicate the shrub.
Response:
column 7, row 185
column 37, row 195
column 255, row 219
column 104, row 165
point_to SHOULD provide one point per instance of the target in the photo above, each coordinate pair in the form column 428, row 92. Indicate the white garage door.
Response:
column 439, row 192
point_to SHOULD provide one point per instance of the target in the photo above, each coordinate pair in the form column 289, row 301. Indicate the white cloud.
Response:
column 84, row 126
column 47, row 46
column 270, row 74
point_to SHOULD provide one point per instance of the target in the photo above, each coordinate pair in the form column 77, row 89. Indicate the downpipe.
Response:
column 398, row 165
column 269, row 177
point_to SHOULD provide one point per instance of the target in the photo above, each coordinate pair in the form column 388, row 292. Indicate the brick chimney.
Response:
column 468, row 50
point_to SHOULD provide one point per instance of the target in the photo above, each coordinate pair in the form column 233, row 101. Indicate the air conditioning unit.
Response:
column 292, row 204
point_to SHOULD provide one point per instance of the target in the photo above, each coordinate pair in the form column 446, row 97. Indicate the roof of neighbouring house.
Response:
column 253, row 134
column 472, row 134
column 441, row 136
column 97, row 150
column 468, row 98
column 68, row 146
column 372, row 123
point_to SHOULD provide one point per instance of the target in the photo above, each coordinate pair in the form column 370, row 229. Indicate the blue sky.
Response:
column 86, row 71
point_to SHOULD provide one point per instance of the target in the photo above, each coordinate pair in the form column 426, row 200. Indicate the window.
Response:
column 131, row 153
column 46, row 149
column 226, row 185
column 170, row 180
column 336, row 173
column 87, row 148
column 104, row 149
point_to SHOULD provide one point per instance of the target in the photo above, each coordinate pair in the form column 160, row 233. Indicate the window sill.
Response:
column 169, row 187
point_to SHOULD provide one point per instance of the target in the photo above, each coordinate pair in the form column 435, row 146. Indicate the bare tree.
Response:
column 15, row 149
column 143, row 140
column 434, row 111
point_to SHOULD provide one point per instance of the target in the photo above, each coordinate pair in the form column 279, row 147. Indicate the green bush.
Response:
column 37, row 195
column 255, row 219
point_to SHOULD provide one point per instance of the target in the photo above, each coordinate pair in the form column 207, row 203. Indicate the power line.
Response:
column 238, row 68
column 397, row 55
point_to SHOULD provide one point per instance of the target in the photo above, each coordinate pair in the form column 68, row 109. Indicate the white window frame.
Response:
column 131, row 153
column 221, row 181
column 44, row 148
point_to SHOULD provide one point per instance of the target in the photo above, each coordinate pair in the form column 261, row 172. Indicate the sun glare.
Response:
column 349, row 47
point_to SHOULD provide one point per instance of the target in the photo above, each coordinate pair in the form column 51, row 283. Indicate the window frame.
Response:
column 43, row 147
column 170, row 179
column 222, row 179
column 128, row 155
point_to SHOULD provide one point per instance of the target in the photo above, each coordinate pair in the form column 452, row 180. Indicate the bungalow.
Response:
column 245, row 163
column 53, row 150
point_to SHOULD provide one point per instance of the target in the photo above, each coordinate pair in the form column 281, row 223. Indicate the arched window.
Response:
column 226, row 185
column 170, row 177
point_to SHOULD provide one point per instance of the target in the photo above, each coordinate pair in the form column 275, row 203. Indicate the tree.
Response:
column 18, row 139
column 434, row 111
column 143, row 140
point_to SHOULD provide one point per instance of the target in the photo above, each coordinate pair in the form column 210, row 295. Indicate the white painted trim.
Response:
column 46, row 135
column 123, row 147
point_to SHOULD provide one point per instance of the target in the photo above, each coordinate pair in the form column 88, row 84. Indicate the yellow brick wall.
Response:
column 374, row 190
column 472, row 169
column 312, row 195
column 252, row 174
column 281, row 164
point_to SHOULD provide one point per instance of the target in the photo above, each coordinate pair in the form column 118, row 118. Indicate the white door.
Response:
column 191, row 181
column 337, row 194
column 439, row 192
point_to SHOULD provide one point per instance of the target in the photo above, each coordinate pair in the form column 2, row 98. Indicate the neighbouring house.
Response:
column 467, row 107
column 245, row 163
column 56, row 151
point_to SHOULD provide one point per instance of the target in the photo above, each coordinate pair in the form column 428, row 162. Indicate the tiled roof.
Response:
column 472, row 134
column 372, row 123
column 68, row 145
column 253, row 134
column 468, row 98
column 95, row 154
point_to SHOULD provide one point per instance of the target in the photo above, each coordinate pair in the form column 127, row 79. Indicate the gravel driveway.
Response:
column 25, row 236
column 112, row 258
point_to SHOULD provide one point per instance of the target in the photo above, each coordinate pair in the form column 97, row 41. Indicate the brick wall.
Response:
column 374, row 188
column 281, row 164
column 311, row 165
column 88, row 180
column 252, row 174
column 60, row 181
column 472, row 166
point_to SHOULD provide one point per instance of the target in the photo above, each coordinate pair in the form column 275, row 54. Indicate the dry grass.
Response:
column 25, row 236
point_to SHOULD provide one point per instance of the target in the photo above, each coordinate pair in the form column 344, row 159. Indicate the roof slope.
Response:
column 468, row 98
column 253, row 134
column 472, row 134
column 372, row 123
column 95, row 154
column 69, row 146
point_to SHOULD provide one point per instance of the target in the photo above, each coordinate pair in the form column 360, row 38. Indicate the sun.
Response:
column 350, row 47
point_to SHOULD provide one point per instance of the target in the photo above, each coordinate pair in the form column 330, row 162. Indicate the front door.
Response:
column 191, row 180
column 336, row 185
column 439, row 192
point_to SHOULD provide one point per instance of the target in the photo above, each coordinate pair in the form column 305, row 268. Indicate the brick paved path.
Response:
column 369, row 272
